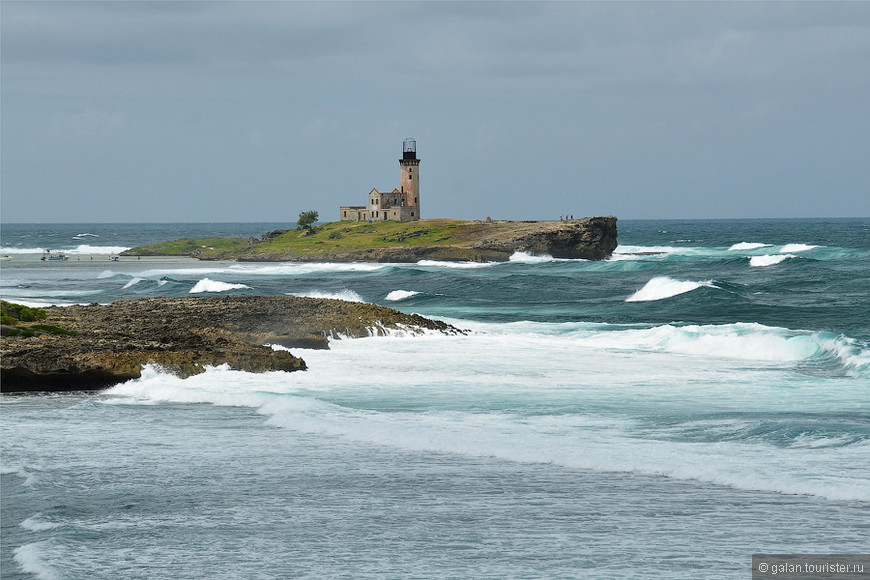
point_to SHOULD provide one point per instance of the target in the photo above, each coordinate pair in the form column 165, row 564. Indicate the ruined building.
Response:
column 403, row 203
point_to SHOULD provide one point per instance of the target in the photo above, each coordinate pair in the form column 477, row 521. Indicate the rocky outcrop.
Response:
column 592, row 238
column 108, row 344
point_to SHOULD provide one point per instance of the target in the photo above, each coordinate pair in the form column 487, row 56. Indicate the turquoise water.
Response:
column 702, row 396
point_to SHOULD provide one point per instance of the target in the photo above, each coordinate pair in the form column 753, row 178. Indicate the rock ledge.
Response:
column 183, row 335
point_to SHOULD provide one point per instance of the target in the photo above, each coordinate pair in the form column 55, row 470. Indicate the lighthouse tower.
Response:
column 409, row 182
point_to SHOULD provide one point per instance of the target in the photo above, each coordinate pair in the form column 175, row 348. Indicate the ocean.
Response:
column 702, row 396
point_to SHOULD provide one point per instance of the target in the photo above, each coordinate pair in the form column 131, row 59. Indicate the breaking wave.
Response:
column 526, row 258
column 460, row 265
column 747, row 246
column 346, row 295
column 769, row 259
column 397, row 295
column 796, row 248
column 133, row 282
column 326, row 400
column 662, row 287
column 208, row 285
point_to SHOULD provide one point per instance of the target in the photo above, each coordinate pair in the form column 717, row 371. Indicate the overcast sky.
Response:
column 255, row 111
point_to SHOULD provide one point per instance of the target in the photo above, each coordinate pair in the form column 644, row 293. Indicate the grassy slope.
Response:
column 343, row 236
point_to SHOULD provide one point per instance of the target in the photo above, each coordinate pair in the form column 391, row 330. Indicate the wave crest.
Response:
column 796, row 248
column 346, row 295
column 209, row 285
column 397, row 295
column 662, row 287
column 769, row 260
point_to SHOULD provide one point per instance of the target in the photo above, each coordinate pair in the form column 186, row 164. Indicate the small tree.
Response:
column 306, row 219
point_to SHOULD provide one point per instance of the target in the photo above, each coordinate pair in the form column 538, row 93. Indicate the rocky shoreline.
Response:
column 103, row 345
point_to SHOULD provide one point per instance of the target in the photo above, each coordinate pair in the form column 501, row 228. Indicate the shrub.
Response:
column 49, row 329
column 306, row 219
column 22, row 313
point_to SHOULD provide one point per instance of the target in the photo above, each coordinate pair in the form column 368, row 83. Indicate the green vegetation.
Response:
column 344, row 236
column 348, row 236
column 306, row 219
column 16, row 316
column 50, row 329
column 17, row 312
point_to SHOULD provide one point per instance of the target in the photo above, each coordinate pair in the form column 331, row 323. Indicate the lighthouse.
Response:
column 409, row 181
column 402, row 204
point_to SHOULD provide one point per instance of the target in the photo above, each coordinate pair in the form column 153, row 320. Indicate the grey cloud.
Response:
column 633, row 108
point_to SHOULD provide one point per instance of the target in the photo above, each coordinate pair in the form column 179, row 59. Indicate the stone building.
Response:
column 403, row 203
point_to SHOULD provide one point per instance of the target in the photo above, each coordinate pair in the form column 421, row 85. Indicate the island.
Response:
column 96, row 346
column 591, row 238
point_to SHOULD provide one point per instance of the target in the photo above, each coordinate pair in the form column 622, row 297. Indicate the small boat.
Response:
column 47, row 255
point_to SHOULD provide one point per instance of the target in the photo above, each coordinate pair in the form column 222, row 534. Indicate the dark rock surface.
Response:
column 112, row 342
column 592, row 238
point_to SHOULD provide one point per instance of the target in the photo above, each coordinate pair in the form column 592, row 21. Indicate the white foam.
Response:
column 78, row 250
column 133, row 282
column 85, row 235
column 768, row 260
column 87, row 249
column 747, row 246
column 14, row 250
column 662, row 287
column 346, row 295
column 25, row 293
column 36, row 524
column 397, row 295
column 641, row 250
column 31, row 560
column 526, row 258
column 751, row 342
column 458, row 265
column 627, row 252
column 208, row 285
column 21, row 471
column 457, row 415
column 796, row 248
column 304, row 268
column 738, row 341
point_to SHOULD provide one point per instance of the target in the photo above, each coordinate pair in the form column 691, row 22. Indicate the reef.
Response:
column 97, row 346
